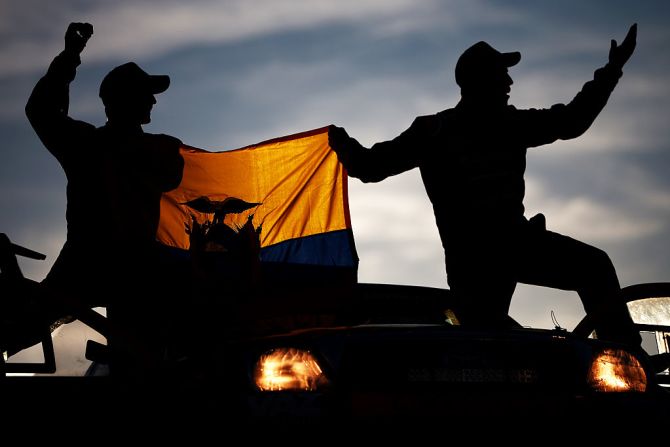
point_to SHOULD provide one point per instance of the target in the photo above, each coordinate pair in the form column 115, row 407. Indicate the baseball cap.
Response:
column 128, row 79
column 479, row 59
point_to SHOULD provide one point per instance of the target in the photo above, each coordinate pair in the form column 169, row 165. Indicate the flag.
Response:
column 291, row 190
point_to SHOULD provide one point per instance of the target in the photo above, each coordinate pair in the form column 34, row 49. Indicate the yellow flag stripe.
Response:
column 298, row 181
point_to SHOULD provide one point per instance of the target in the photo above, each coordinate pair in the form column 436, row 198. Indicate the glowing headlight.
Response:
column 616, row 370
column 288, row 369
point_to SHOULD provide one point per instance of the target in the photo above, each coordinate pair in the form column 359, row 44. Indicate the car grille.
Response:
column 458, row 363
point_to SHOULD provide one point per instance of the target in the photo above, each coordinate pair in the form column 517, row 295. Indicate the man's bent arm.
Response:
column 47, row 107
column 572, row 120
column 567, row 121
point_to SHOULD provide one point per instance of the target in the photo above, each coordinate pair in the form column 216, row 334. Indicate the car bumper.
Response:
column 404, row 408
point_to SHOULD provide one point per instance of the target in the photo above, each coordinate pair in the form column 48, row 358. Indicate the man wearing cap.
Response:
column 472, row 160
column 115, row 173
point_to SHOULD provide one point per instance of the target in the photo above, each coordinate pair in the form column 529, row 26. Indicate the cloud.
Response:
column 633, row 119
column 396, row 236
column 36, row 221
column 396, row 211
column 590, row 219
column 139, row 29
column 372, row 109
column 597, row 222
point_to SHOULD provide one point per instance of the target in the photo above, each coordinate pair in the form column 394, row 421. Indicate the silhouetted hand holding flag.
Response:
column 345, row 146
column 340, row 142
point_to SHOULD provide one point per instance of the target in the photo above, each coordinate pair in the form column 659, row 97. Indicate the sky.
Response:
column 244, row 71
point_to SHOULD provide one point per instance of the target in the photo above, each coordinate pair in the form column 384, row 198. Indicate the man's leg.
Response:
column 481, row 282
column 549, row 259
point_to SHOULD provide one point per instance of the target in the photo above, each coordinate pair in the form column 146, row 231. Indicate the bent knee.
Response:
column 597, row 267
column 600, row 259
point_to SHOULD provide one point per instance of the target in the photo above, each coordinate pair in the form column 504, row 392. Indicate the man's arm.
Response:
column 47, row 107
column 387, row 158
column 566, row 121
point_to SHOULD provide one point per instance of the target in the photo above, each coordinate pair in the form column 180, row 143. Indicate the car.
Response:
column 361, row 355
column 404, row 358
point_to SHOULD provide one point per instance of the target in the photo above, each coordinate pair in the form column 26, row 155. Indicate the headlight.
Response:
column 616, row 370
column 288, row 369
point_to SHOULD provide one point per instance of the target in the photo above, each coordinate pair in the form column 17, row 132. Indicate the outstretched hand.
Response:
column 76, row 36
column 619, row 54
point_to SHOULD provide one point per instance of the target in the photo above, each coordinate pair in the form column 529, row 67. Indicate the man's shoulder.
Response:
column 439, row 120
column 445, row 114
column 435, row 117
column 429, row 124
column 160, row 139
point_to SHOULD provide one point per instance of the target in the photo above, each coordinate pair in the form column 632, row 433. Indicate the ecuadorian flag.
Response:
column 292, row 190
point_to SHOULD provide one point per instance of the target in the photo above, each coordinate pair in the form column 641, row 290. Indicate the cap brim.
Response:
column 159, row 83
column 511, row 59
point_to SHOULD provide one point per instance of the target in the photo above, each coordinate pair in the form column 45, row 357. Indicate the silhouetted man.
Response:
column 472, row 160
column 116, row 175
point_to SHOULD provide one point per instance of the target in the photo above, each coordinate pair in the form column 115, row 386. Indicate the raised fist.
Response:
column 76, row 36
